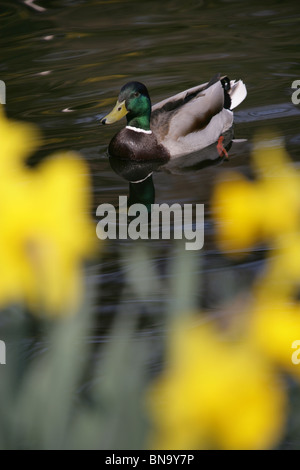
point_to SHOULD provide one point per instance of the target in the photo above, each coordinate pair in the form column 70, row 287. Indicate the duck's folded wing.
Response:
column 193, row 111
column 178, row 100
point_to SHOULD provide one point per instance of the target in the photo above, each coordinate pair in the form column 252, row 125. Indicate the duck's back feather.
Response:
column 237, row 92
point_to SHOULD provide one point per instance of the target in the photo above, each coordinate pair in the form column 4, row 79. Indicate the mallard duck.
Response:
column 177, row 126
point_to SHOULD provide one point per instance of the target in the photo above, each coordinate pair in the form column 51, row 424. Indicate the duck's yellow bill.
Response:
column 116, row 114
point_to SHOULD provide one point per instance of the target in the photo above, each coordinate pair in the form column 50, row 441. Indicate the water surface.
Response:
column 64, row 66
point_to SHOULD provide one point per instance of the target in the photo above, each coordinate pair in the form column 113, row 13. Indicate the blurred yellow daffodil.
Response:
column 248, row 212
column 275, row 315
column 45, row 232
column 215, row 393
column 267, row 210
column 274, row 327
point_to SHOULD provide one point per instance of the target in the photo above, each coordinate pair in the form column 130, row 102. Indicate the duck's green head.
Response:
column 134, row 103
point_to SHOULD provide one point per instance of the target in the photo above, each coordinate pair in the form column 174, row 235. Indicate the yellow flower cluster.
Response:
column 217, row 392
column 258, row 211
column 45, row 230
column 270, row 208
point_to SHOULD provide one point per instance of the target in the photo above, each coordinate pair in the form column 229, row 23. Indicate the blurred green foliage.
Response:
column 61, row 397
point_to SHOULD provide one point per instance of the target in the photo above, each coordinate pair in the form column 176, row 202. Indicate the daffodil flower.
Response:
column 250, row 212
column 267, row 210
column 46, row 232
column 215, row 393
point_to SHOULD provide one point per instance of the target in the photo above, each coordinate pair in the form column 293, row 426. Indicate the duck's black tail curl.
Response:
column 226, row 87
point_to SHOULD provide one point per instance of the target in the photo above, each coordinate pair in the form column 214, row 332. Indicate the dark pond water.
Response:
column 64, row 66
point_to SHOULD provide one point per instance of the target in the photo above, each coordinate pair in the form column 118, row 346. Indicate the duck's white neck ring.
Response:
column 144, row 179
column 137, row 129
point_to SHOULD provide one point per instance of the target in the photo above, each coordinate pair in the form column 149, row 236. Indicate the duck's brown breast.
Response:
column 139, row 146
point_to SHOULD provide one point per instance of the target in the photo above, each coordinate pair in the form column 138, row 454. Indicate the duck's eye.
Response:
column 136, row 94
